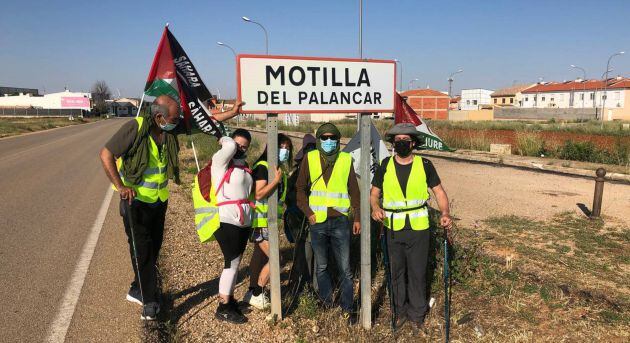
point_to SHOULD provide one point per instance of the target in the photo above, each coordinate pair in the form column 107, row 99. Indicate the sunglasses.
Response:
column 325, row 138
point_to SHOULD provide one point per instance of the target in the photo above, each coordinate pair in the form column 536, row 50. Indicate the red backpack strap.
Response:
column 228, row 174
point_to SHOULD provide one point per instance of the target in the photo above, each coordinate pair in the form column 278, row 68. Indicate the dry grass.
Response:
column 15, row 126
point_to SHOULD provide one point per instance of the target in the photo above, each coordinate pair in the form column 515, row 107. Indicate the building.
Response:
column 17, row 91
column 54, row 101
column 510, row 96
column 124, row 107
column 577, row 94
column 583, row 94
column 474, row 99
column 428, row 103
column 454, row 103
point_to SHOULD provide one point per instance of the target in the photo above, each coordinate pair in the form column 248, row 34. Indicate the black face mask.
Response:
column 402, row 148
column 239, row 154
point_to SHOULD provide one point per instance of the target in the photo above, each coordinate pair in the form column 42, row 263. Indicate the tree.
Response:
column 100, row 93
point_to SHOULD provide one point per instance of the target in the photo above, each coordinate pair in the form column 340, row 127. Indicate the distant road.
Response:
column 52, row 186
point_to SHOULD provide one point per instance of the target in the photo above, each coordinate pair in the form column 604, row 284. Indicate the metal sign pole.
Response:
column 272, row 217
column 366, row 268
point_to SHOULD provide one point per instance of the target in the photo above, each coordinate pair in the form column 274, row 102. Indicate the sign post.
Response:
column 272, row 217
column 286, row 84
column 366, row 260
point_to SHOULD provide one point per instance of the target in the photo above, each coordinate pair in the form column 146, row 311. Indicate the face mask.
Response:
column 328, row 145
column 239, row 154
column 283, row 155
column 402, row 148
column 167, row 127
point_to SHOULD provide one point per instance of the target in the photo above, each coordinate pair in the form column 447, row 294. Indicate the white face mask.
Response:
column 283, row 155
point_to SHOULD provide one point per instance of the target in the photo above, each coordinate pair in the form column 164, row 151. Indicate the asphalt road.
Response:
column 52, row 186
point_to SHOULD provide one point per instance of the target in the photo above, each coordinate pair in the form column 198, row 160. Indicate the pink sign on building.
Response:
column 75, row 102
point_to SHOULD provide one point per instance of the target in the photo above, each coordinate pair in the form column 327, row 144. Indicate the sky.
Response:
column 55, row 44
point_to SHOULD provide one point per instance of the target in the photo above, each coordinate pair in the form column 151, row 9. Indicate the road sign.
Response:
column 281, row 84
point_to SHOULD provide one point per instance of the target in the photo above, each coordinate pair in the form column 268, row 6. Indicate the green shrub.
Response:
column 530, row 144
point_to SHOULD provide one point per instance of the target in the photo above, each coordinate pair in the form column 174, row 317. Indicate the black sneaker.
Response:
column 230, row 313
column 418, row 325
column 134, row 295
column 150, row 311
column 400, row 321
column 350, row 317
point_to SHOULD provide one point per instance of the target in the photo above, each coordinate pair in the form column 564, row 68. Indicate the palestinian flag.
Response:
column 403, row 113
column 173, row 74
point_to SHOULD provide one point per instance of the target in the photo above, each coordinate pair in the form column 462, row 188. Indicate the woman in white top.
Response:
column 232, row 177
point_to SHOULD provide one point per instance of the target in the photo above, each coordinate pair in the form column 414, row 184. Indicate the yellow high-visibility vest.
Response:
column 259, row 218
column 206, row 213
column 413, row 204
column 335, row 193
column 154, row 184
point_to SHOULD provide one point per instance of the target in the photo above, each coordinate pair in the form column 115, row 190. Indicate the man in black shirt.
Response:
column 403, row 181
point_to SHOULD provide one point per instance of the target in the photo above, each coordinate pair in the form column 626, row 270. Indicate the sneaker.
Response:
column 150, row 311
column 134, row 295
column 230, row 313
column 418, row 325
column 260, row 302
column 350, row 317
column 400, row 321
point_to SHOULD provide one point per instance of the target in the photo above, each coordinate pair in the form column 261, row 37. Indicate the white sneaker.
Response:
column 260, row 302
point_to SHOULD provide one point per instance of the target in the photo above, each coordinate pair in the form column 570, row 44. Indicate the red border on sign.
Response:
column 281, row 57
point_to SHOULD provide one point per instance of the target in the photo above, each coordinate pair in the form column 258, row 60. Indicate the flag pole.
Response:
column 140, row 106
column 194, row 153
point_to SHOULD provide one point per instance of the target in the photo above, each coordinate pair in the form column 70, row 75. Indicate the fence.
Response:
column 38, row 112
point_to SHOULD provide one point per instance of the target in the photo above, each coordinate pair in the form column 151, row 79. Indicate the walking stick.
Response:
column 447, row 314
column 133, row 245
column 388, row 277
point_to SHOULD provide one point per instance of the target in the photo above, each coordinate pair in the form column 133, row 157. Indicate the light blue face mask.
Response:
column 167, row 127
column 283, row 155
column 328, row 145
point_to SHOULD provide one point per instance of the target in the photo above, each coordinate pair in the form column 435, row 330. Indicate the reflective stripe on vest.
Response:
column 335, row 193
column 154, row 184
column 206, row 213
column 259, row 215
column 414, row 199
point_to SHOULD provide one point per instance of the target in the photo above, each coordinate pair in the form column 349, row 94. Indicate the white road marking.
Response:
column 59, row 328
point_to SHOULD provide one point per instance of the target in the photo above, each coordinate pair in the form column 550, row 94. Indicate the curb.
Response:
column 496, row 160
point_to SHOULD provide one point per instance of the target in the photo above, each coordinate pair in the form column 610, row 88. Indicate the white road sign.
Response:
column 287, row 84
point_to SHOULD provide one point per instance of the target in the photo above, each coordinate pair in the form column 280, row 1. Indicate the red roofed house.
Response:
column 582, row 94
column 428, row 103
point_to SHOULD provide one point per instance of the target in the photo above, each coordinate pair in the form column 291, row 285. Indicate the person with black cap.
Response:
column 404, row 181
column 326, row 189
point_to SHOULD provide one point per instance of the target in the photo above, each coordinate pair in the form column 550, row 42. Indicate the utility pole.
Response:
column 604, row 96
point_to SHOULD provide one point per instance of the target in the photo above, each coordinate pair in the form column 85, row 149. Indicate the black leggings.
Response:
column 232, row 241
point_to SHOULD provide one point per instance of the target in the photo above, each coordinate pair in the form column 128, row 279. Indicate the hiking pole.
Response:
column 388, row 277
column 447, row 314
column 133, row 245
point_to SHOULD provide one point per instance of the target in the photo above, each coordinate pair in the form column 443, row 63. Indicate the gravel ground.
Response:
column 191, row 270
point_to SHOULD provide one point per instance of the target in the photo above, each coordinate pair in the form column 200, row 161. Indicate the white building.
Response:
column 473, row 99
column 61, row 100
column 577, row 94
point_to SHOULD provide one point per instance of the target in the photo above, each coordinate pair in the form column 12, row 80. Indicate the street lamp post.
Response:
column 583, row 81
column 604, row 96
column 411, row 83
column 400, row 82
column 450, row 81
column 263, row 28
column 227, row 46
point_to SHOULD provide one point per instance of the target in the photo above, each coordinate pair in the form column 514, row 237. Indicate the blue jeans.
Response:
column 333, row 234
